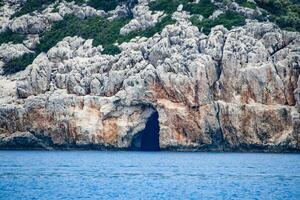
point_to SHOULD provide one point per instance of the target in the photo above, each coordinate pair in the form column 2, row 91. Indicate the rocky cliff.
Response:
column 231, row 89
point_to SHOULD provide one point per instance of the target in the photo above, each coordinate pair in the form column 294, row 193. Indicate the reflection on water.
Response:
column 148, row 175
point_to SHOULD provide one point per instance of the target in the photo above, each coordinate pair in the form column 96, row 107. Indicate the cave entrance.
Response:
column 148, row 139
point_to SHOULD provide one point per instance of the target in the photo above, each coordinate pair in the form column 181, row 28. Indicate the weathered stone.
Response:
column 229, row 90
column 12, row 51
column 28, row 24
column 143, row 18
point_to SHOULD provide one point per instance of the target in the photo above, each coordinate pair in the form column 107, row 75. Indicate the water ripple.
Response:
column 138, row 175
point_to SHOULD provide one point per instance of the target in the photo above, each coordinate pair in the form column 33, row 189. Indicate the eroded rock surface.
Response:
column 230, row 90
column 143, row 18
column 11, row 51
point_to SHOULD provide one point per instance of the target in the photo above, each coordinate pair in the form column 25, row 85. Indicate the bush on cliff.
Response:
column 102, row 31
column 111, row 4
column 38, row 5
column 8, row 36
column 286, row 13
column 18, row 64
column 246, row 4
column 149, row 32
column 32, row 5
column 204, row 7
column 228, row 20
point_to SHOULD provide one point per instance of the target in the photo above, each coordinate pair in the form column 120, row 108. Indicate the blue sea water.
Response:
column 148, row 175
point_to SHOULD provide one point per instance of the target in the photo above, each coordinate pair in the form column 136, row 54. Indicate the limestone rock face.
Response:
column 11, row 51
column 142, row 18
column 36, row 23
column 247, row 12
column 230, row 90
column 7, row 10
column 8, row 90
column 28, row 24
column 79, row 11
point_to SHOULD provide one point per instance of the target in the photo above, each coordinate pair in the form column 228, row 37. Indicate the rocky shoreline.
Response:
column 231, row 90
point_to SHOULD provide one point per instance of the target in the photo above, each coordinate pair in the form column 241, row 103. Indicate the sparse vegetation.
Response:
column 168, row 6
column 104, row 4
column 246, row 4
column 204, row 7
column 111, row 4
column 32, row 5
column 286, row 13
column 38, row 5
column 78, row 2
column 9, row 36
column 103, row 32
column 18, row 64
column 228, row 20
column 148, row 32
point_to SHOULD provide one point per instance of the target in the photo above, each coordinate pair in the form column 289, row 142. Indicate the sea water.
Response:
column 148, row 175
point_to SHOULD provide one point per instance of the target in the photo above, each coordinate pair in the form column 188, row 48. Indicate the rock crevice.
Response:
column 231, row 90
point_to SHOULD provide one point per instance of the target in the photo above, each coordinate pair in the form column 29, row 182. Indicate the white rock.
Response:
column 11, row 51
column 143, row 18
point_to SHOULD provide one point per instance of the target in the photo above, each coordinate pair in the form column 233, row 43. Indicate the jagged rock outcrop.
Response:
column 36, row 23
column 11, row 51
column 230, row 90
column 7, row 10
column 143, row 18
column 252, row 13
column 247, row 12
column 28, row 24
column 82, row 12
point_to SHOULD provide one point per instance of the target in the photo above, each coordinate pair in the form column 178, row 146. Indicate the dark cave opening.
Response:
column 148, row 139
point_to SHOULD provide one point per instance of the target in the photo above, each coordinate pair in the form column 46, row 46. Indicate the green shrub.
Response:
column 78, row 2
column 108, row 5
column 18, row 64
column 111, row 50
column 248, row 4
column 286, row 13
column 55, row 8
column 228, row 20
column 9, row 36
column 38, row 5
column 103, row 32
column 149, row 32
column 204, row 7
column 32, row 5
column 168, row 6
column 275, row 7
column 104, row 4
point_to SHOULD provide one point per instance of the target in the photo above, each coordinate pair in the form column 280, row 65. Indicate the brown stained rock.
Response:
column 110, row 131
column 230, row 90
column 257, row 125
